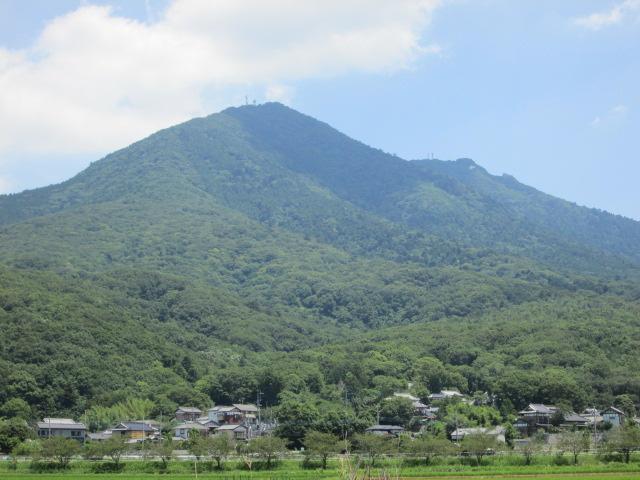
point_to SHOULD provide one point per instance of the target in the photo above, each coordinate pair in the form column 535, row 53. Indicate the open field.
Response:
column 327, row 475
column 291, row 470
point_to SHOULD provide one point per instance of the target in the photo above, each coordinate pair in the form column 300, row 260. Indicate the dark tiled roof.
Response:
column 61, row 426
column 189, row 410
column 135, row 426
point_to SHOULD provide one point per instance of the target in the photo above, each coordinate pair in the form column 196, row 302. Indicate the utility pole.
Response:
column 595, row 430
column 258, row 403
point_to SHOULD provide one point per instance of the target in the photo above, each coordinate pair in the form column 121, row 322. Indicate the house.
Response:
column 183, row 431
column 535, row 417
column 385, row 430
column 225, row 415
column 210, row 425
column 573, row 420
column 249, row 411
column 238, row 432
column 538, row 411
column 236, row 414
column 188, row 414
column 61, row 427
column 613, row 416
column 408, row 396
column 136, row 431
column 592, row 415
column 445, row 395
column 498, row 432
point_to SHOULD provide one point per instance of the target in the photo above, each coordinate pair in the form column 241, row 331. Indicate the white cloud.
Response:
column 94, row 81
column 600, row 20
column 614, row 114
column 279, row 93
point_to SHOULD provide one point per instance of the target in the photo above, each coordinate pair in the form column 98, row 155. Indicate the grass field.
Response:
column 327, row 475
column 291, row 470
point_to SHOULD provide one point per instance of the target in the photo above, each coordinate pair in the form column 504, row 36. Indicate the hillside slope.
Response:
column 257, row 230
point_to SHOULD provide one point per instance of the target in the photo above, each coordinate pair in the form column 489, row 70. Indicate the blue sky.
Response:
column 545, row 90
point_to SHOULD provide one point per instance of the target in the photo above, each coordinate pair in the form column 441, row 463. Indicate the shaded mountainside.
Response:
column 217, row 242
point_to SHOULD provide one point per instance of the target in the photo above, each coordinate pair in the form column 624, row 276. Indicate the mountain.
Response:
column 237, row 245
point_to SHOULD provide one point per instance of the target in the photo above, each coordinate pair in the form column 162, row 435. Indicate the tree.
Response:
column 163, row 449
column 268, row 448
column 198, row 445
column 372, row 445
column 114, row 448
column 13, row 432
column 531, row 447
column 296, row 414
column 16, row 408
column 60, row 449
column 479, row 444
column 574, row 442
column 624, row 440
column 92, row 451
column 428, row 447
column 322, row 445
column 396, row 411
column 625, row 403
column 219, row 447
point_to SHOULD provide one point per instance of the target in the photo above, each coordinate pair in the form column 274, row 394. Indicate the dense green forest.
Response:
column 259, row 250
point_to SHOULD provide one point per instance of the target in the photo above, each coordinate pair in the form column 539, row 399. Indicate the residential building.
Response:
column 573, row 420
column 188, row 414
column 536, row 416
column 61, row 427
column 238, row 432
column 183, row 430
column 236, row 414
column 385, row 430
column 136, row 431
column 613, row 415
column 592, row 416
column 445, row 395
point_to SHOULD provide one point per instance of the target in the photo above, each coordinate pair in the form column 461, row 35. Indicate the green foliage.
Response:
column 428, row 446
column 59, row 449
column 296, row 414
column 531, row 447
column 114, row 447
column 322, row 445
column 372, row 445
column 16, row 408
column 396, row 411
column 12, row 433
column 218, row 447
column 163, row 449
column 259, row 250
column 267, row 448
column 574, row 442
column 624, row 440
column 99, row 417
column 479, row 445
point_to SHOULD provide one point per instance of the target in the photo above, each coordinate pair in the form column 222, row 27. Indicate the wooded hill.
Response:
column 260, row 249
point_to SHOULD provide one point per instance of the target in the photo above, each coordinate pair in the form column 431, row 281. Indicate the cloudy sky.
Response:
column 546, row 90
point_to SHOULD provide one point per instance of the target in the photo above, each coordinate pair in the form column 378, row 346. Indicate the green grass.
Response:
column 291, row 470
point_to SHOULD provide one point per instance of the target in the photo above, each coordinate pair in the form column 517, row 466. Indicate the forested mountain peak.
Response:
column 257, row 230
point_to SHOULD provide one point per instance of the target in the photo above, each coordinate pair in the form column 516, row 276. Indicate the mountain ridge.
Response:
column 259, row 234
